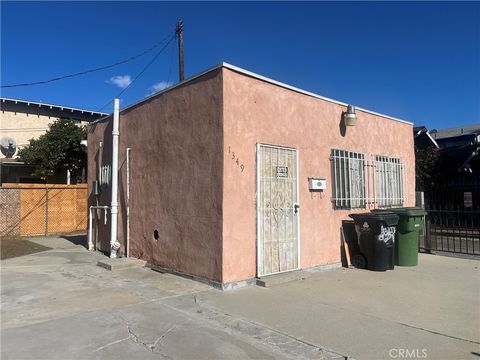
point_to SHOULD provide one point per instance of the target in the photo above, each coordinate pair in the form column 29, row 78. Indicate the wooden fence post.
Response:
column 46, row 211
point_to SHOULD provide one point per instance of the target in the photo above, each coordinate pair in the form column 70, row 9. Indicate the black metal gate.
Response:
column 452, row 223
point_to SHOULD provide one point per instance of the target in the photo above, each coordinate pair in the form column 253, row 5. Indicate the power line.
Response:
column 141, row 72
column 91, row 70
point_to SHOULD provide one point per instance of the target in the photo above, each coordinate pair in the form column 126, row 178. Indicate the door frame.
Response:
column 257, row 203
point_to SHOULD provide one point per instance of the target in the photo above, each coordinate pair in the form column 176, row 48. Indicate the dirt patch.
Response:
column 11, row 247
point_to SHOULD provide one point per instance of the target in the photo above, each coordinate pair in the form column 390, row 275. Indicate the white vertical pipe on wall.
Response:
column 114, row 245
column 100, row 163
column 259, row 211
column 90, row 230
column 127, row 245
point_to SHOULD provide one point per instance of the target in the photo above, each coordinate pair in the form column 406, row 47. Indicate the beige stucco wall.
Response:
column 23, row 127
column 259, row 112
column 22, row 121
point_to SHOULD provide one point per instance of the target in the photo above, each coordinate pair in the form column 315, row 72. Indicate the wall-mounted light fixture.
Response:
column 350, row 116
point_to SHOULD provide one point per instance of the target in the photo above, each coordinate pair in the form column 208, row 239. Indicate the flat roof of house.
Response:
column 262, row 78
column 52, row 106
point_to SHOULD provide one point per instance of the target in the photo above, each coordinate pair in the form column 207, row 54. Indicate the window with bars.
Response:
column 389, row 176
column 348, row 173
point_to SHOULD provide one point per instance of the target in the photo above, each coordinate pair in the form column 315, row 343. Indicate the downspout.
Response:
column 127, row 245
column 114, row 245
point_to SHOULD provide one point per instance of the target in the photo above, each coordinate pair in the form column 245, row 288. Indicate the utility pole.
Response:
column 179, row 32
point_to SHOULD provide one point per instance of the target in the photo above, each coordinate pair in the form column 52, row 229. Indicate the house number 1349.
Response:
column 234, row 157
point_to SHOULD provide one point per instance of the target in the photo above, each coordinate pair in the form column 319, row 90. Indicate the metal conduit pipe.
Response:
column 127, row 245
column 90, row 223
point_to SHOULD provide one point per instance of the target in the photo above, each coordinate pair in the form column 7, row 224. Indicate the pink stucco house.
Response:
column 233, row 176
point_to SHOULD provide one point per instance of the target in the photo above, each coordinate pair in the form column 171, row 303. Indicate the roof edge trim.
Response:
column 60, row 107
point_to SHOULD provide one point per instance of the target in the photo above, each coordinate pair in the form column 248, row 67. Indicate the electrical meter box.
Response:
column 96, row 188
column 317, row 184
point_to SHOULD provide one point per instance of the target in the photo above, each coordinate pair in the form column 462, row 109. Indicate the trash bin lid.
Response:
column 414, row 211
column 387, row 216
column 403, row 211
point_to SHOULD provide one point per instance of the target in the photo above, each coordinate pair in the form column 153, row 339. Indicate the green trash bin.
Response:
column 407, row 238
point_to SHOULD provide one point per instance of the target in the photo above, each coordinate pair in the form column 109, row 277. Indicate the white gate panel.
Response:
column 277, row 210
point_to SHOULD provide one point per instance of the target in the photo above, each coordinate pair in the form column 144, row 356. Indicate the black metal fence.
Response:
column 452, row 223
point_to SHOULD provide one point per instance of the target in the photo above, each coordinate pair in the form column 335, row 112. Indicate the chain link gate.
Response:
column 33, row 209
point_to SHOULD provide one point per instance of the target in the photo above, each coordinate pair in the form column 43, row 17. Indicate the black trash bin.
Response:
column 376, row 239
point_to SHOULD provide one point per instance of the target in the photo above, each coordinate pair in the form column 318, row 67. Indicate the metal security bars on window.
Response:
column 348, row 173
column 389, row 179
column 360, row 182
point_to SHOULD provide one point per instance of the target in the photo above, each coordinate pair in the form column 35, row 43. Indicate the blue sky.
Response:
column 415, row 61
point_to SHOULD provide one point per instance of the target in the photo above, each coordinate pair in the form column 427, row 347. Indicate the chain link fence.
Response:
column 33, row 209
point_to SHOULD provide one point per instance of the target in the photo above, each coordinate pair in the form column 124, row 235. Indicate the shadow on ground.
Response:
column 76, row 239
column 11, row 247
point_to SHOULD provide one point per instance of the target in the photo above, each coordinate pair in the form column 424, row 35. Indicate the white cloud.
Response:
column 122, row 81
column 158, row 87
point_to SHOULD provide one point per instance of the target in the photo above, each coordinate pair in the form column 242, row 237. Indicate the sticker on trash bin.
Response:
column 365, row 226
column 387, row 233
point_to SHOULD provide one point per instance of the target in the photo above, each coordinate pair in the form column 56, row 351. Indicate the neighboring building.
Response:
column 458, row 148
column 425, row 153
column 457, row 136
column 21, row 121
column 454, row 183
column 423, row 139
column 221, row 171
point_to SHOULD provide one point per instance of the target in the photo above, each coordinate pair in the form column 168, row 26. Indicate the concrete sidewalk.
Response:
column 59, row 305
column 372, row 315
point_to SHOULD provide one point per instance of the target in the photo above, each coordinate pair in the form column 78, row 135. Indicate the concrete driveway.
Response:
column 432, row 310
column 59, row 305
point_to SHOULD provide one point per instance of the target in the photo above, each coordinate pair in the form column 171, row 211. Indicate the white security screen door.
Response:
column 277, row 210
